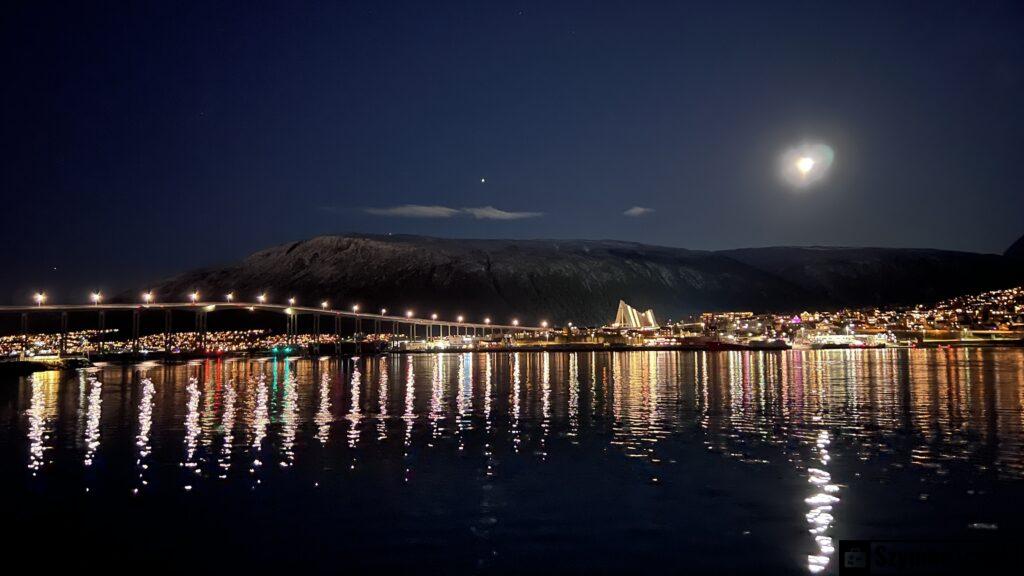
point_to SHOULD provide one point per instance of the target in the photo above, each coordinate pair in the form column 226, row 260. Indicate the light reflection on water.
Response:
column 800, row 448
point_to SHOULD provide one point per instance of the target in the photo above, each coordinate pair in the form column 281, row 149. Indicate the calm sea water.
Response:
column 513, row 463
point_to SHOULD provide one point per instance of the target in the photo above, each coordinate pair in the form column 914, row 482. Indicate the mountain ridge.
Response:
column 583, row 280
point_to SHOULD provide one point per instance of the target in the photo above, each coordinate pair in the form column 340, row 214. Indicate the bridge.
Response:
column 407, row 324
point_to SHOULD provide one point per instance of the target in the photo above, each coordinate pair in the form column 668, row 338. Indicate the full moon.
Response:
column 806, row 164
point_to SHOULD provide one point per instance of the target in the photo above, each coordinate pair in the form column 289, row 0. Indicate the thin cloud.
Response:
column 414, row 211
column 637, row 211
column 492, row 213
column 421, row 211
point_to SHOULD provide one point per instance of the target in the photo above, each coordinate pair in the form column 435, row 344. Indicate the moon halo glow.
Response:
column 806, row 164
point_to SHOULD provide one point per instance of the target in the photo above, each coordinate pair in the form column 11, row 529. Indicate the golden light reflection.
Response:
column 355, row 410
column 192, row 427
column 382, row 399
column 41, row 412
column 289, row 416
column 323, row 414
column 93, row 412
column 227, row 426
column 145, row 410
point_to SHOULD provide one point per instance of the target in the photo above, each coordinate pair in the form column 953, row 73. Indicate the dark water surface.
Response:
column 512, row 463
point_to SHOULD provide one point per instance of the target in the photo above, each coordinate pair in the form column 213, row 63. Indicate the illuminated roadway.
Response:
column 253, row 306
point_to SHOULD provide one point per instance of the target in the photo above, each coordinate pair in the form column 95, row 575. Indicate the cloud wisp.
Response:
column 414, row 211
column 637, row 211
column 423, row 211
column 492, row 213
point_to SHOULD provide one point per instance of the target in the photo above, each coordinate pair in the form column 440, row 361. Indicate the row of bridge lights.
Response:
column 96, row 298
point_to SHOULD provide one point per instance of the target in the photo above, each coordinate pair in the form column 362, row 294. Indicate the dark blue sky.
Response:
column 142, row 141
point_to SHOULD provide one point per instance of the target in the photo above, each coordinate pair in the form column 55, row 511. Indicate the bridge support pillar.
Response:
column 24, row 333
column 316, row 330
column 167, row 332
column 201, row 329
column 102, row 327
column 135, row 331
column 63, row 333
column 337, row 334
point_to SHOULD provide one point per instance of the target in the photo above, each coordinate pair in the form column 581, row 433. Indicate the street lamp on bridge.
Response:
column 194, row 296
column 262, row 298
column 96, row 298
column 147, row 297
column 40, row 298
column 291, row 301
column 324, row 304
column 230, row 296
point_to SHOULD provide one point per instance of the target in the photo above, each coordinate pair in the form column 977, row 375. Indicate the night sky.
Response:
column 139, row 142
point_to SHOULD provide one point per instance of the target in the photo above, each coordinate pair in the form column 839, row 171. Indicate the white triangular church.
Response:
column 629, row 317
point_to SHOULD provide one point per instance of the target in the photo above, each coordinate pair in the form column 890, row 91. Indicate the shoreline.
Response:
column 24, row 367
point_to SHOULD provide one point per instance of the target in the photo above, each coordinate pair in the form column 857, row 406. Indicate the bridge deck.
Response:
column 282, row 308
